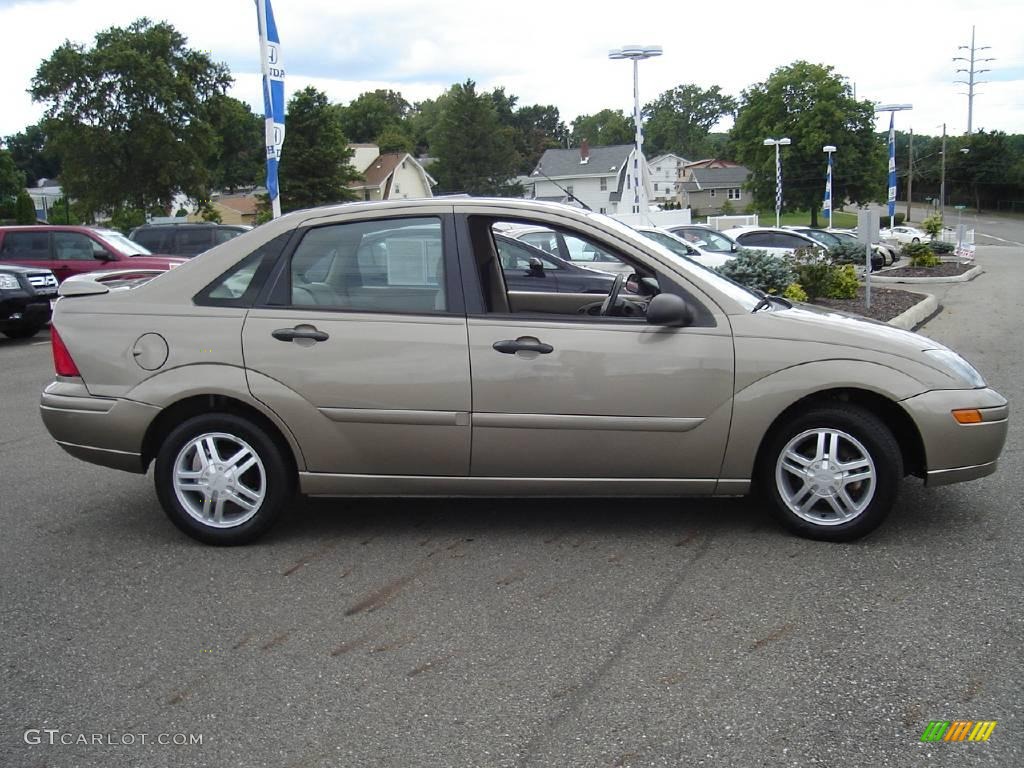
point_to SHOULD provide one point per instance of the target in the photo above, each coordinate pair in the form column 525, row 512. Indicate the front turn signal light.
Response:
column 967, row 416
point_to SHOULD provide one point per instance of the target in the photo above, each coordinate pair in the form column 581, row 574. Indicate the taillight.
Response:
column 62, row 361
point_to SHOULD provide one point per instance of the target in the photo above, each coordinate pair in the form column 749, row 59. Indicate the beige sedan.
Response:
column 375, row 350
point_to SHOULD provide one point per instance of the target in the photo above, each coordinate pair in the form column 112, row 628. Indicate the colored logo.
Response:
column 958, row 730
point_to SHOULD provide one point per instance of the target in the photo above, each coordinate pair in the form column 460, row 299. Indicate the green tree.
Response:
column 315, row 165
column 238, row 153
column 422, row 119
column 475, row 152
column 32, row 156
column 24, row 209
column 813, row 106
column 394, row 139
column 367, row 116
column 681, row 118
column 12, row 181
column 126, row 117
column 607, row 127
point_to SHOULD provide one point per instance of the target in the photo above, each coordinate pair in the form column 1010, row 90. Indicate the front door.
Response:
column 559, row 392
column 361, row 348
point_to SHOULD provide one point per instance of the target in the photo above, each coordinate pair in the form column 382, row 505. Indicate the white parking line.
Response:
column 39, row 343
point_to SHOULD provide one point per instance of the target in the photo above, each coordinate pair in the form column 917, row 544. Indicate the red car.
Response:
column 69, row 250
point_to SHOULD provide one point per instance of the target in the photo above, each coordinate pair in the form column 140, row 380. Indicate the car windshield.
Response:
column 825, row 238
column 665, row 239
column 119, row 242
column 707, row 239
column 738, row 293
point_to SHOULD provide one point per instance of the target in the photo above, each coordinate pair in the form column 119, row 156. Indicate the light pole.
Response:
column 892, row 109
column 828, row 149
column 942, row 184
column 636, row 53
column 778, row 173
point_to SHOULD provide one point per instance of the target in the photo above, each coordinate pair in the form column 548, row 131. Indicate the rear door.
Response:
column 360, row 346
column 28, row 247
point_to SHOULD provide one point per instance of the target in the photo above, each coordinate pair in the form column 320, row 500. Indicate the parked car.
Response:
column 776, row 241
column 527, row 268
column 904, row 234
column 830, row 239
column 26, row 295
column 185, row 238
column 707, row 239
column 682, row 248
column 242, row 383
column 70, row 250
column 569, row 248
column 889, row 253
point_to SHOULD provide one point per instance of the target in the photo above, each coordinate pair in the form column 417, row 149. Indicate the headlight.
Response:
column 957, row 366
column 9, row 283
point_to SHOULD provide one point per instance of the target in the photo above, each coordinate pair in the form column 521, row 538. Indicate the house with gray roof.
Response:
column 595, row 176
column 706, row 185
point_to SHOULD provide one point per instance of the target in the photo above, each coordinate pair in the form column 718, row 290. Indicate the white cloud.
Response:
column 556, row 53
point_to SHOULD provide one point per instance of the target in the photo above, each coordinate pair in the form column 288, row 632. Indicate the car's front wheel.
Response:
column 832, row 473
column 22, row 331
column 221, row 479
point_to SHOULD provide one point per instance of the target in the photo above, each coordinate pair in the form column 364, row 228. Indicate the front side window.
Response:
column 757, row 240
column 385, row 265
column 73, row 246
column 516, row 256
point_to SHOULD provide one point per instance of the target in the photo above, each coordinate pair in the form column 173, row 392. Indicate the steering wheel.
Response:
column 613, row 295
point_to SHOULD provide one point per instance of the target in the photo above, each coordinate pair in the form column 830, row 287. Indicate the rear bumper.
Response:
column 957, row 452
column 100, row 430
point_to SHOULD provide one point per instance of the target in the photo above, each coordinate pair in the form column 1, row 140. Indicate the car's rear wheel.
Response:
column 832, row 473
column 916, row 240
column 22, row 331
column 222, row 479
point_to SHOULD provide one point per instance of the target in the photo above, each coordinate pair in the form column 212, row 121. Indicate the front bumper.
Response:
column 101, row 430
column 957, row 452
column 22, row 311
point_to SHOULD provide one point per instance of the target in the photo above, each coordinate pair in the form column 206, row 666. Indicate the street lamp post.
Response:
column 892, row 109
column 778, row 173
column 636, row 53
column 828, row 149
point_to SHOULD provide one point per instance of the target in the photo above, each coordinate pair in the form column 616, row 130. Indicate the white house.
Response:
column 391, row 176
column 665, row 172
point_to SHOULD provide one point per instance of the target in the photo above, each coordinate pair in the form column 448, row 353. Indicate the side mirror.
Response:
column 101, row 255
column 669, row 310
column 536, row 267
column 733, row 247
column 648, row 287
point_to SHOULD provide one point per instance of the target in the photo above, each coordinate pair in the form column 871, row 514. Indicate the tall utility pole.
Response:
column 971, row 70
column 942, row 184
column 910, row 173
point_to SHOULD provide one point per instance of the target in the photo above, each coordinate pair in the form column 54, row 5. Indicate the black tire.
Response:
column 22, row 331
column 916, row 240
column 881, row 448
column 278, row 479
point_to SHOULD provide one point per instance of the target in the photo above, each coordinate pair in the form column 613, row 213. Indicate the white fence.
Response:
column 656, row 218
column 728, row 222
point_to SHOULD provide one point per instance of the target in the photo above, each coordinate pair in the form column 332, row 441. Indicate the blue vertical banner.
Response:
column 827, row 202
column 273, row 97
column 892, row 167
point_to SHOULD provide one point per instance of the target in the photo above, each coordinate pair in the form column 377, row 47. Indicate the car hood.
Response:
column 17, row 269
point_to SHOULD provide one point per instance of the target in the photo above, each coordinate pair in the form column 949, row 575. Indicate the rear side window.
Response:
column 223, row 235
column 389, row 265
column 192, row 242
column 239, row 286
column 155, row 240
column 33, row 246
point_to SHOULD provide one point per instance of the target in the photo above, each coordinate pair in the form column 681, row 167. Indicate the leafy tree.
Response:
column 32, row 156
column 394, row 139
column 126, row 117
column 813, row 106
column 367, row 116
column 314, row 166
column 25, row 209
column 607, row 127
column 125, row 219
column 12, row 181
column 475, row 153
column 238, row 152
column 979, row 176
column 681, row 118
column 422, row 119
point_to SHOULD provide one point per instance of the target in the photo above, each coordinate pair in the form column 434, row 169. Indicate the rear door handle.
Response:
column 290, row 334
column 523, row 344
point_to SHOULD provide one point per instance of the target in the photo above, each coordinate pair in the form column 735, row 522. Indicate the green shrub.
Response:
column 794, row 292
column 847, row 253
column 757, row 270
column 920, row 255
column 884, row 219
column 932, row 225
column 814, row 271
column 844, row 283
column 941, row 246
column 24, row 209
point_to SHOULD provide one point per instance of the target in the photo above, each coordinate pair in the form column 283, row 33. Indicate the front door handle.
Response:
column 523, row 344
column 290, row 334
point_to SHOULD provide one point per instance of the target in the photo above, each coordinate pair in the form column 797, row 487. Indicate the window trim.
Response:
column 277, row 293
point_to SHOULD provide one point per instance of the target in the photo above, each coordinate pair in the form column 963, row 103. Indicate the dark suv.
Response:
column 185, row 239
column 26, row 294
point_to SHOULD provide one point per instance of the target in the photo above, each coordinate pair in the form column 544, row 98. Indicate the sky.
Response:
column 557, row 53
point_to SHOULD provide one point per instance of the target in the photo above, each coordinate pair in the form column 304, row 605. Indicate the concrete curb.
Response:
column 918, row 314
column 880, row 277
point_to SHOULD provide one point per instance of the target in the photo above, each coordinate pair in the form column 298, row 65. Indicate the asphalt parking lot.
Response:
column 507, row 633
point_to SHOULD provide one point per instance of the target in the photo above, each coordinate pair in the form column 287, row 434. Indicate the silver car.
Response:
column 375, row 349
